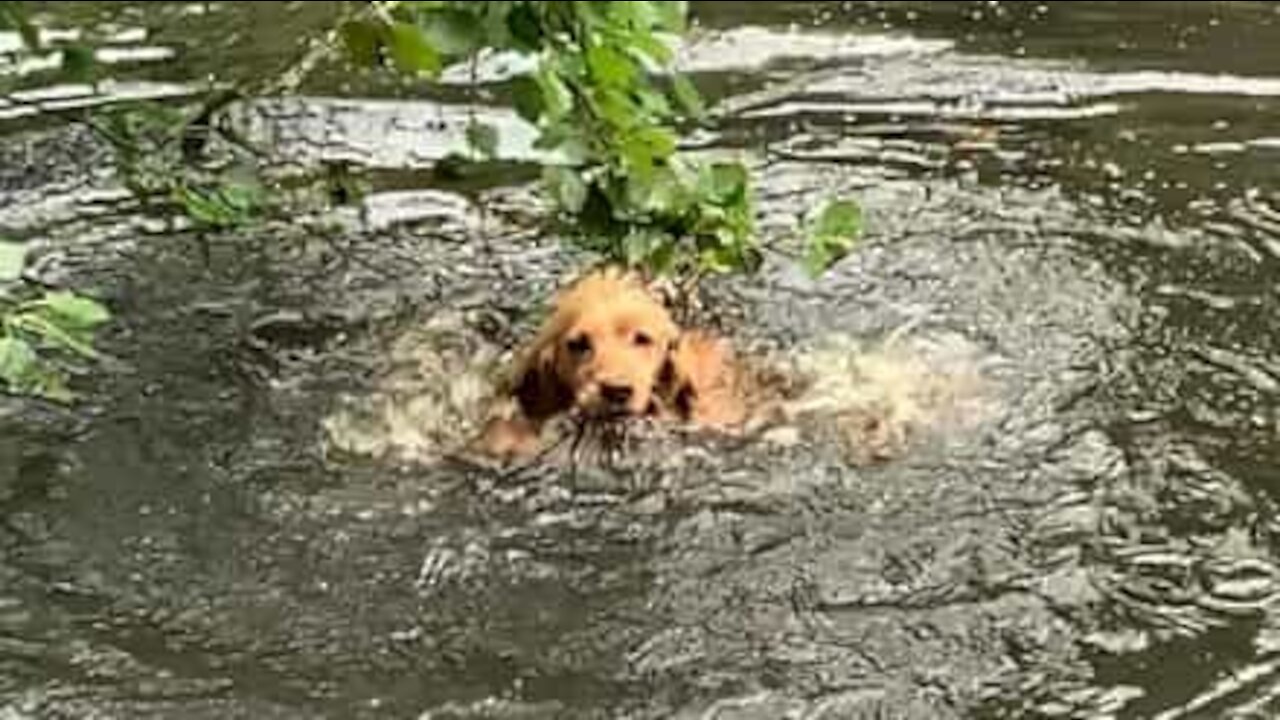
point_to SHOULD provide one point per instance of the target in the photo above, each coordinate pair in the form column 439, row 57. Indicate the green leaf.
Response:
column 18, row 363
column 483, row 139
column 527, row 96
column 832, row 235
column 198, row 207
column 48, row 331
column 73, row 311
column 636, row 246
column 574, row 150
column 610, row 67
column 567, row 140
column 23, row 372
column 710, row 218
column 362, row 40
column 228, row 205
column 239, row 198
column 671, row 16
column 556, row 97
column 839, row 219
column 615, row 107
column 525, row 27
column 713, row 260
column 567, row 187
column 725, row 183
column 637, row 189
column 654, row 104
column 412, row 51
column 13, row 257
column 593, row 16
column 668, row 193
column 627, row 15
column 688, row 97
column 661, row 141
column 452, row 32
column 643, row 150
column 637, row 157
column 653, row 50
column 158, row 118
column 662, row 259
column 78, row 62
column 491, row 19
column 726, row 251
column 819, row 257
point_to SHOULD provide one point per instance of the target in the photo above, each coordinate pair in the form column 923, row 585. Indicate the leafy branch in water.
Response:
column 41, row 338
column 76, row 58
column 38, row 337
column 161, row 154
column 831, row 234
column 157, row 149
column 13, row 16
column 603, row 94
column 607, row 103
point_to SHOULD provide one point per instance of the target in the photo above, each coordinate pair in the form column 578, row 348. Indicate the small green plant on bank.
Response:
column 608, row 105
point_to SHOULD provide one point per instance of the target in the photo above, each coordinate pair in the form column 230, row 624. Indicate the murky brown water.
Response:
column 1074, row 201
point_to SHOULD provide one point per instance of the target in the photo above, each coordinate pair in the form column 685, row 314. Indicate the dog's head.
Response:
column 601, row 351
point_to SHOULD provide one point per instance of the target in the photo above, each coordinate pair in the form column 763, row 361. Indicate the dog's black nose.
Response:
column 615, row 394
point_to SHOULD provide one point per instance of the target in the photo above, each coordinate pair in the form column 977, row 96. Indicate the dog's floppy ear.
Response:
column 534, row 393
column 697, row 382
column 676, row 385
column 537, row 386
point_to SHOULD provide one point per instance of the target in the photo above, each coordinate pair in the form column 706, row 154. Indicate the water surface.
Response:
column 1078, row 199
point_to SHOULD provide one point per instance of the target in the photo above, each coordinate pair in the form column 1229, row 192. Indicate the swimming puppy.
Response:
column 609, row 350
column 599, row 354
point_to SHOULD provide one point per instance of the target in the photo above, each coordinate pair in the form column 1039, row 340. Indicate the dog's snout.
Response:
column 615, row 394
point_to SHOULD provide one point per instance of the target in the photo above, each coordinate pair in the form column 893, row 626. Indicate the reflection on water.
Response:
column 1072, row 202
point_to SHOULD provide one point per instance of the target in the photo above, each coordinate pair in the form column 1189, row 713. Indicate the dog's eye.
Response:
column 643, row 340
column 579, row 345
